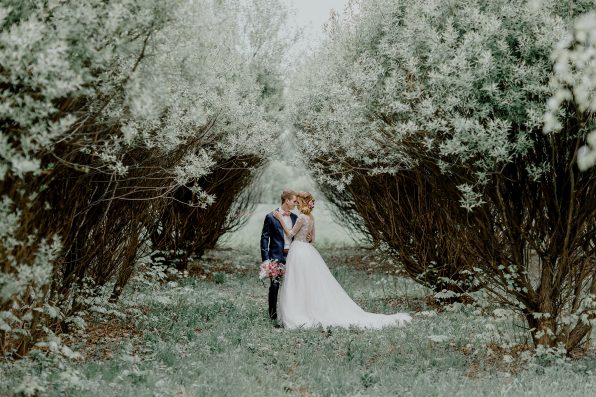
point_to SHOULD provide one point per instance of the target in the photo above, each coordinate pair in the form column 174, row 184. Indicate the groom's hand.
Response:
column 309, row 237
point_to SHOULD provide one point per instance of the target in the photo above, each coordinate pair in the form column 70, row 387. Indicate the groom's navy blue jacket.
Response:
column 272, row 238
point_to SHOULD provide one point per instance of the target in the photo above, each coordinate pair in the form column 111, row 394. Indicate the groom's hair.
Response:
column 287, row 194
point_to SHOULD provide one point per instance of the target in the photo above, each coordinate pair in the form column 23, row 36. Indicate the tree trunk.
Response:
column 543, row 330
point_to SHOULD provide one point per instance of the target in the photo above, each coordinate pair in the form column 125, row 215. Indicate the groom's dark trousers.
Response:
column 272, row 247
column 273, row 291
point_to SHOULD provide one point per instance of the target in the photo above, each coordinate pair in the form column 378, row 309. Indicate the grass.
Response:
column 208, row 334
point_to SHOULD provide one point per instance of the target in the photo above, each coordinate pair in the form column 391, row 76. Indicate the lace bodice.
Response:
column 303, row 226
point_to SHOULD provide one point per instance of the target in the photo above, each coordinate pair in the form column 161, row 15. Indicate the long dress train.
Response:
column 311, row 297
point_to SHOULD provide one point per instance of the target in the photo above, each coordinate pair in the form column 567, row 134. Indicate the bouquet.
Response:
column 272, row 268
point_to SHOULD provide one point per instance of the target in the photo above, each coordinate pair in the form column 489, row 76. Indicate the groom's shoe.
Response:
column 272, row 311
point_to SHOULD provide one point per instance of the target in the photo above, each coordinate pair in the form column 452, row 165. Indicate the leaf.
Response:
column 4, row 326
column 52, row 311
column 439, row 338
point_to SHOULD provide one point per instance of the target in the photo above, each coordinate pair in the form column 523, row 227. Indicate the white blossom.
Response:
column 443, row 71
column 575, row 81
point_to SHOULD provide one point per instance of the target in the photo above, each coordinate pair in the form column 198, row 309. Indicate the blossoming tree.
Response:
column 110, row 113
column 427, row 118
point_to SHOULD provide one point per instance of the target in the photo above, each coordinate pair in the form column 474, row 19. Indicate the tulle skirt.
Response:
column 311, row 297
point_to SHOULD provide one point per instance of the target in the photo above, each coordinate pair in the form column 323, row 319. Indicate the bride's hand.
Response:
column 277, row 215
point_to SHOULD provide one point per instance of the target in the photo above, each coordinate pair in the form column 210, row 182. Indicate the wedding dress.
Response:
column 311, row 297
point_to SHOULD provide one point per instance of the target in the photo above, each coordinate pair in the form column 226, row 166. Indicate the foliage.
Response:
column 193, row 337
column 280, row 175
column 187, row 231
column 413, row 107
column 330, row 231
column 111, row 113
column 575, row 81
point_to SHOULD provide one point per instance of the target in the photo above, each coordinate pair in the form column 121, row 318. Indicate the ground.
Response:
column 208, row 334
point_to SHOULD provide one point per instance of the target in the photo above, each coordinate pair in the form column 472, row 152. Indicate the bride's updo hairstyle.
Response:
column 306, row 202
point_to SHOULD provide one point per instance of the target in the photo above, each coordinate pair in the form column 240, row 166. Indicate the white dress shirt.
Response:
column 288, row 222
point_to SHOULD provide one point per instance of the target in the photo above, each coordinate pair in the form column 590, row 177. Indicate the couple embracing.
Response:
column 310, row 296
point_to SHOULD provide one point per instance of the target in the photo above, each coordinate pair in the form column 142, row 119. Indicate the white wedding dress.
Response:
column 311, row 297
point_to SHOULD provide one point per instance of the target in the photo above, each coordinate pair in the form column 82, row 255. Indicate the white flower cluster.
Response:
column 161, row 75
column 102, row 85
column 50, row 52
column 467, row 81
column 575, row 81
column 24, row 285
column 198, row 83
column 458, row 89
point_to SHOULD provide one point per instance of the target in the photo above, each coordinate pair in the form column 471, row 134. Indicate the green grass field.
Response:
column 208, row 335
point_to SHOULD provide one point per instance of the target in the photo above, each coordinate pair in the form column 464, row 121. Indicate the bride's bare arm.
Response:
column 290, row 232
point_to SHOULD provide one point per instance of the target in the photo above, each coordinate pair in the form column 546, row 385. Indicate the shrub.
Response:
column 110, row 113
column 430, row 116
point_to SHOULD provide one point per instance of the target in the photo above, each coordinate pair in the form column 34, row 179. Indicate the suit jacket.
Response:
column 272, row 238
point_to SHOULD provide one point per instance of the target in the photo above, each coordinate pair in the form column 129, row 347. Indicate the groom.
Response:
column 275, row 244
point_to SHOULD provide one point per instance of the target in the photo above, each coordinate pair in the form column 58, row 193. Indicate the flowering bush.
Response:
column 575, row 82
column 111, row 112
column 427, row 117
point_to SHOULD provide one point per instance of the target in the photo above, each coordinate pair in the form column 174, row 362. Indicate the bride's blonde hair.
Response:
column 306, row 202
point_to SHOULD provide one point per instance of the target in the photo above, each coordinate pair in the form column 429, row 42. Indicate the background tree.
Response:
column 430, row 116
column 575, row 83
column 111, row 115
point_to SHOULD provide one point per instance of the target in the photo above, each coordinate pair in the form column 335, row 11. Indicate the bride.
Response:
column 310, row 296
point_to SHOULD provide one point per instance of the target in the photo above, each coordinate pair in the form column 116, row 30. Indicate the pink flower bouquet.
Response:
column 272, row 268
